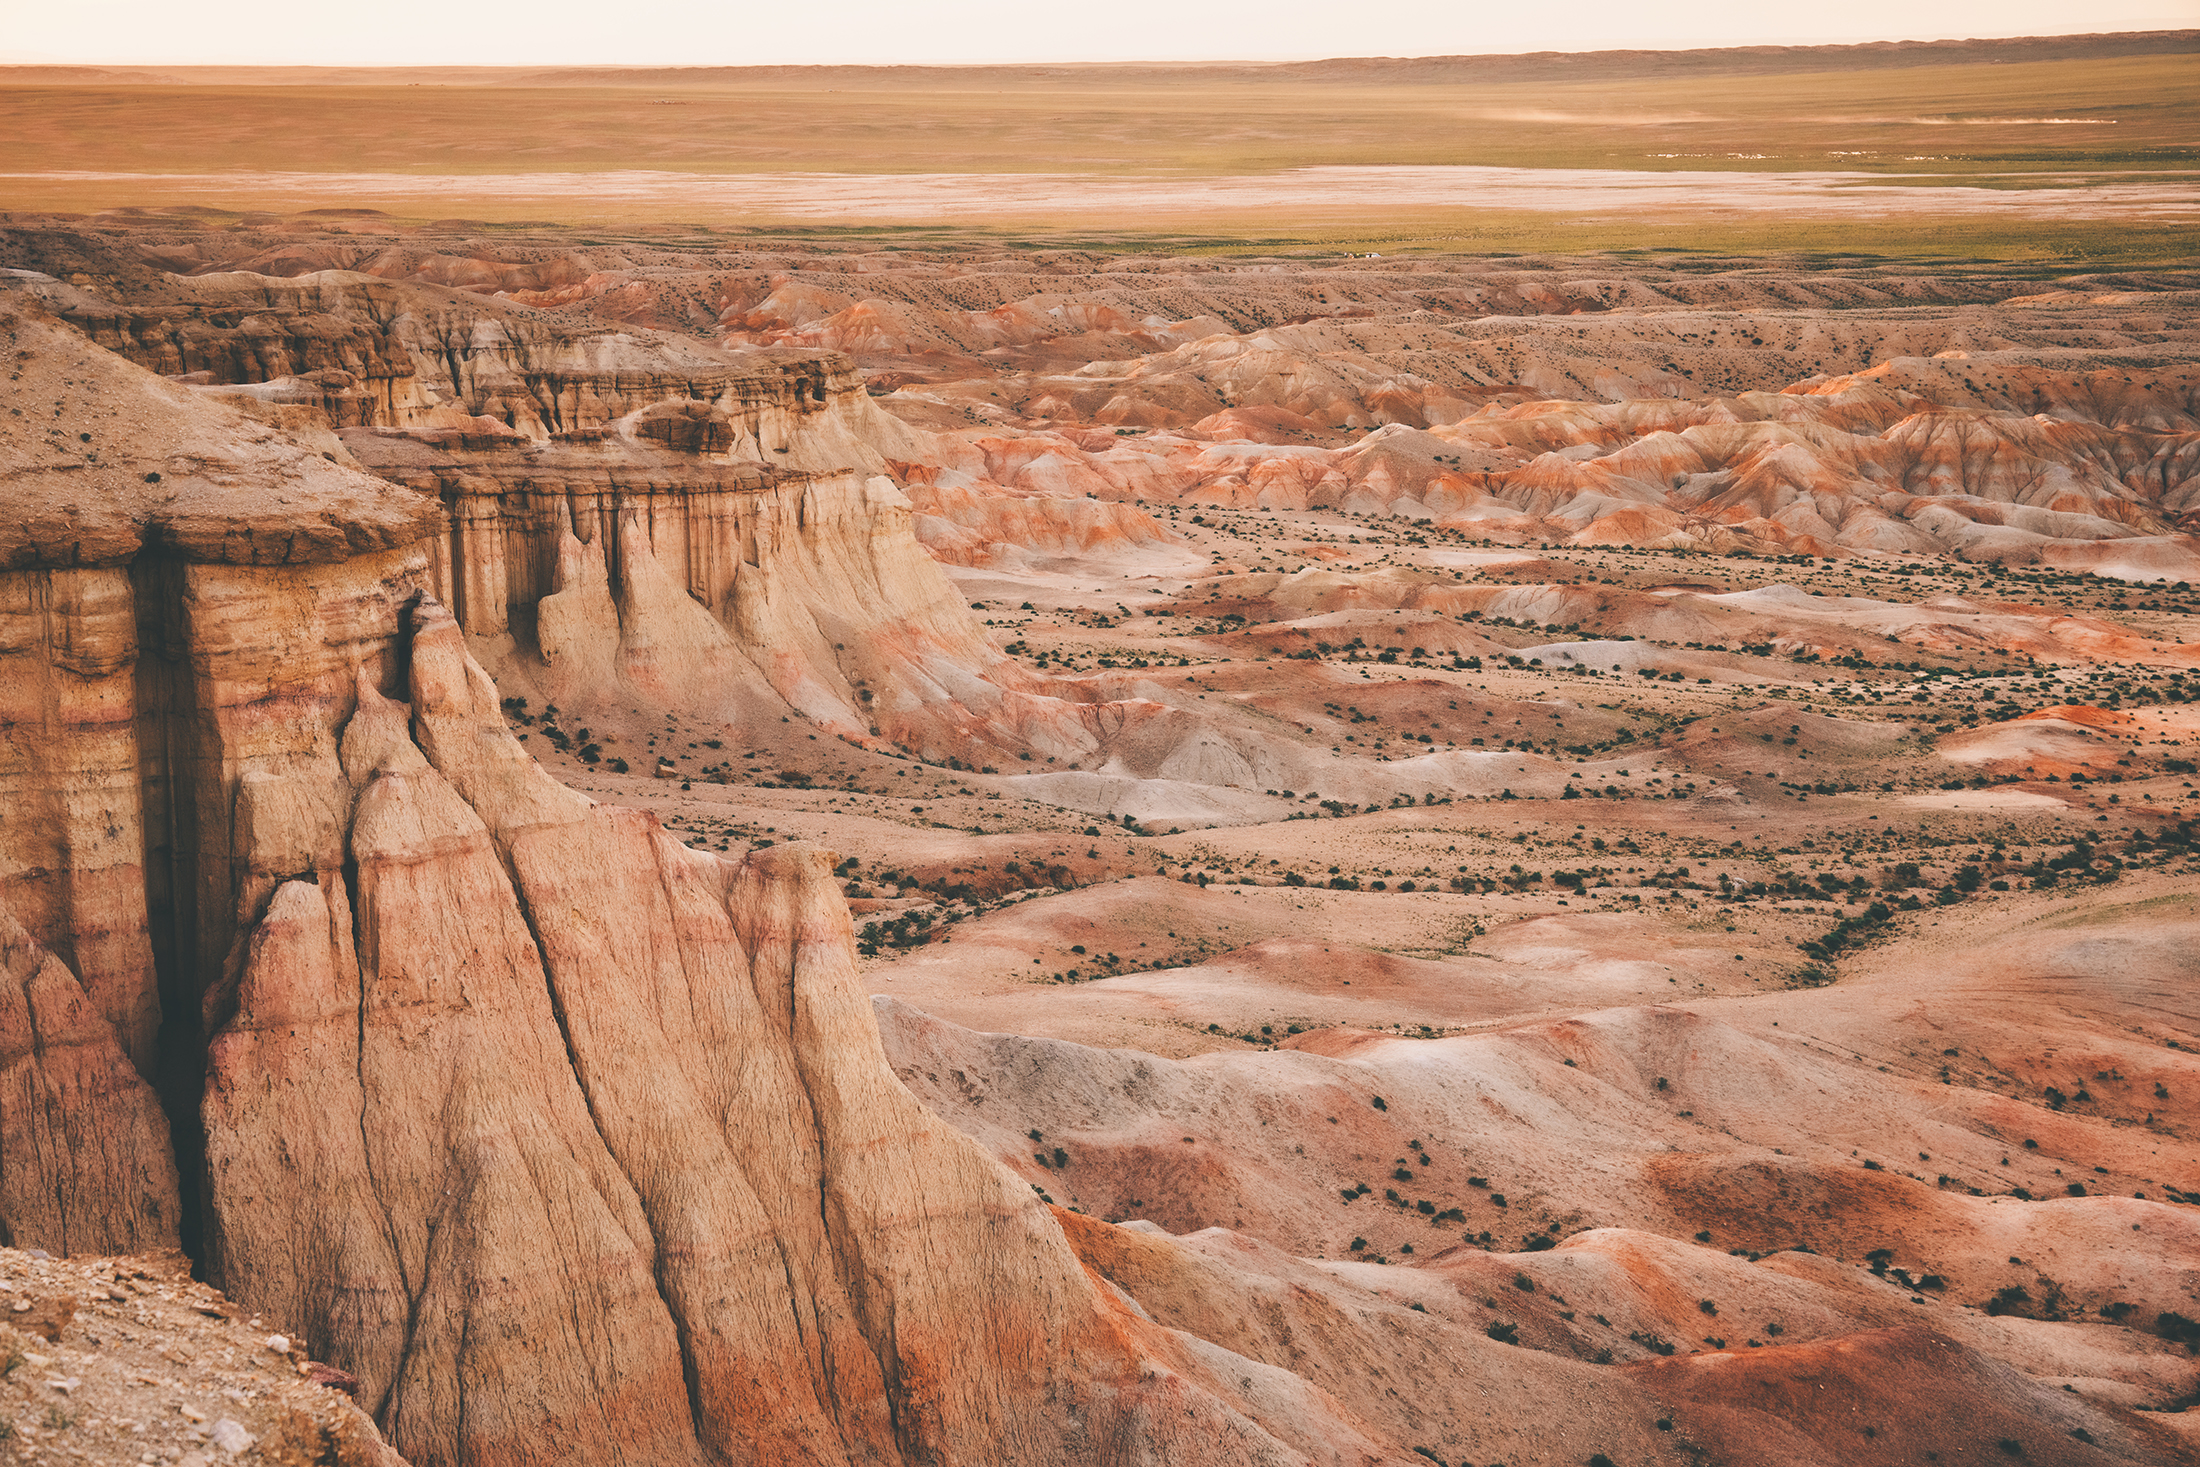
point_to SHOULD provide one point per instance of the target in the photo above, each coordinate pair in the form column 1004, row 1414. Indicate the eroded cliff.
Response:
column 570, row 1143
column 625, row 1101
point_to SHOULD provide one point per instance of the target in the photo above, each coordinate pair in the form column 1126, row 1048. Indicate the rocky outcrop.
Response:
column 625, row 1101
column 570, row 1143
column 171, row 566
column 730, row 589
column 756, row 550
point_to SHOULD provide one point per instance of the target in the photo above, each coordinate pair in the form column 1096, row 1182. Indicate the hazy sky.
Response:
column 745, row 32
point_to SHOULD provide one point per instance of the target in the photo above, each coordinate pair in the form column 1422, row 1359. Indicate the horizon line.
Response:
column 1708, row 45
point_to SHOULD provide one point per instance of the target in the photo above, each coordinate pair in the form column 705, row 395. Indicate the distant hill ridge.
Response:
column 1555, row 66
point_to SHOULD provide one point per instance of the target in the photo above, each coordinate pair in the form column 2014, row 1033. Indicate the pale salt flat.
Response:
column 1988, row 799
column 1312, row 191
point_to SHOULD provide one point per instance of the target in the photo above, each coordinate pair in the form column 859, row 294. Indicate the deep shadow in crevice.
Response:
column 168, row 755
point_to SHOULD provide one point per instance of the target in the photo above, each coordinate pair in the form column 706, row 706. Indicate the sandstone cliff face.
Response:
column 72, row 843
column 571, row 1143
column 625, row 1102
column 626, row 573
column 733, row 507
column 162, row 562
column 759, row 556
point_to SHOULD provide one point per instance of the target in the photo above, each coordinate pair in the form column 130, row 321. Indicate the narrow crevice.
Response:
column 167, row 754
column 416, row 1301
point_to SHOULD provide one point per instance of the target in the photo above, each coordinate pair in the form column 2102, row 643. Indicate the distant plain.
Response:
column 2102, row 154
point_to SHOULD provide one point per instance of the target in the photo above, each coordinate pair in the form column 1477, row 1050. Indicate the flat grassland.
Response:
column 1981, row 125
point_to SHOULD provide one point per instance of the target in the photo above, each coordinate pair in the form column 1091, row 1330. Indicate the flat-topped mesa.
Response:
column 178, row 588
column 119, row 463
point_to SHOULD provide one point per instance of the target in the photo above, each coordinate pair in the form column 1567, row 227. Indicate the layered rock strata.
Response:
column 708, row 583
column 570, row 1143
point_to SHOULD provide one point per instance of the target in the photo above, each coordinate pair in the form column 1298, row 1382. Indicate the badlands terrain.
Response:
column 847, row 851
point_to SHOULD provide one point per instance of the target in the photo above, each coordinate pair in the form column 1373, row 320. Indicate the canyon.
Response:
column 793, row 851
